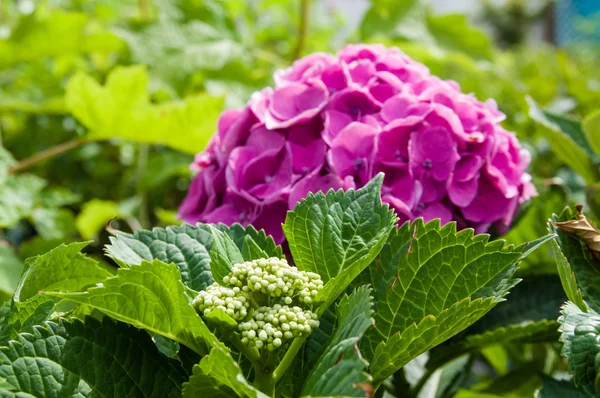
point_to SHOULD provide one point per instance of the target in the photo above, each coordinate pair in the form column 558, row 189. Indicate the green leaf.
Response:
column 62, row 268
column 579, row 335
column 576, row 265
column 529, row 315
column 566, row 147
column 53, row 223
column 338, row 234
column 223, row 254
column 22, row 317
column 18, row 196
column 218, row 375
column 10, row 272
column 122, row 109
column 94, row 216
column 219, row 317
column 89, row 358
column 238, row 234
column 591, row 129
column 150, row 296
column 341, row 368
column 56, row 33
column 430, row 283
column 453, row 32
column 186, row 246
column 251, row 250
column 552, row 388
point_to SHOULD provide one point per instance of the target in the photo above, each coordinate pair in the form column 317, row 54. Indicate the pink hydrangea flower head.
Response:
column 334, row 121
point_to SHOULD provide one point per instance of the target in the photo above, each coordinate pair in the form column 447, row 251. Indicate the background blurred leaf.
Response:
column 10, row 272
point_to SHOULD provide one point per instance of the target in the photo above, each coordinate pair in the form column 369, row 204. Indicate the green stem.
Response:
column 289, row 357
column 142, row 166
column 250, row 353
column 47, row 154
column 401, row 385
column 419, row 386
column 264, row 378
column 302, row 29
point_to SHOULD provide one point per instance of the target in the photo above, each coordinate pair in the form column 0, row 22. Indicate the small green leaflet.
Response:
column 224, row 254
column 338, row 234
column 150, row 296
column 341, row 369
column 63, row 268
column 218, row 375
column 86, row 358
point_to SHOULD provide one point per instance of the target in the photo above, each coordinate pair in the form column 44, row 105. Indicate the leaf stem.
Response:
column 288, row 358
column 302, row 28
column 47, row 154
column 264, row 378
column 250, row 353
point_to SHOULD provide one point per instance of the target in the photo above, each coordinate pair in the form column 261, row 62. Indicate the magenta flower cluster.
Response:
column 336, row 121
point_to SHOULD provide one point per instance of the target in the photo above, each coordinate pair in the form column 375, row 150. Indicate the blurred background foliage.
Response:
column 103, row 104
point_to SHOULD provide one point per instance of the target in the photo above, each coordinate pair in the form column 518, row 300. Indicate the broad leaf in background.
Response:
column 591, row 128
column 568, row 146
column 150, row 296
column 338, row 234
column 529, row 315
column 341, row 369
column 577, row 267
column 54, row 33
column 579, row 334
column 10, row 272
column 218, row 375
column 94, row 215
column 430, row 283
column 85, row 358
column 18, row 196
column 121, row 109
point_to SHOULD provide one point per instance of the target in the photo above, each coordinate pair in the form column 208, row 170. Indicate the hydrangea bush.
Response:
column 336, row 121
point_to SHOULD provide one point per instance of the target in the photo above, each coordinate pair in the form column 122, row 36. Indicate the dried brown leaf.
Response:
column 583, row 229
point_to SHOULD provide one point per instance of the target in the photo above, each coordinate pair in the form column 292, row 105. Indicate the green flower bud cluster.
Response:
column 270, row 300
column 233, row 301
column 270, row 327
column 275, row 278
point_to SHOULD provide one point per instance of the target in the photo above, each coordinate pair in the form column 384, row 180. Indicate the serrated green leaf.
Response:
column 251, row 250
column 576, row 265
column 238, row 234
column 223, row 254
column 341, row 368
column 552, row 388
column 122, row 109
column 22, row 317
column 150, row 296
column 10, row 272
column 62, row 268
column 218, row 375
column 579, row 334
column 89, row 359
column 565, row 147
column 591, row 129
column 186, row 246
column 338, row 234
column 426, row 282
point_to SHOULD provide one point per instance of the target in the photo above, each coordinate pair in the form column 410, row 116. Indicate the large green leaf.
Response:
column 63, row 269
column 430, row 283
column 150, row 296
column 338, row 234
column 579, row 334
column 591, row 129
column 89, row 358
column 529, row 315
column 568, row 148
column 218, row 375
column 577, row 267
column 341, row 368
column 10, row 271
column 186, row 246
column 122, row 109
